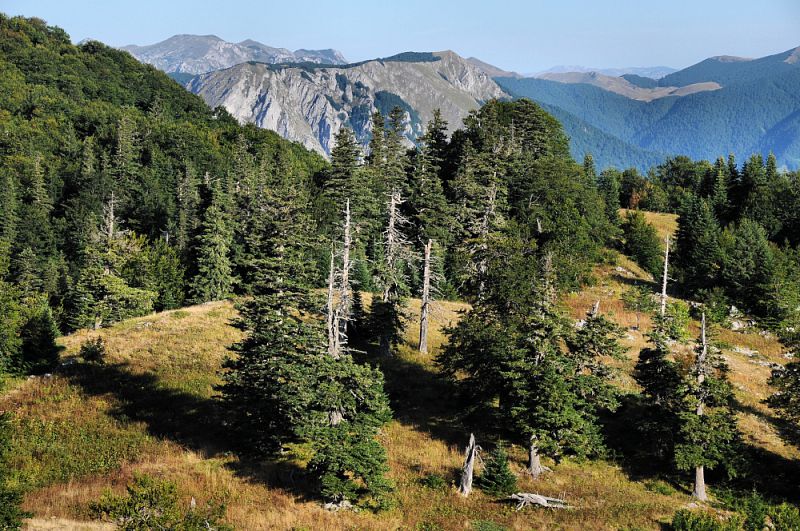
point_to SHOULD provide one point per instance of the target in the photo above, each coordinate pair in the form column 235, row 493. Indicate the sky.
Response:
column 525, row 36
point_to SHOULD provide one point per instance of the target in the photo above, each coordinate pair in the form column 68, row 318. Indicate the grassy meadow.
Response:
column 150, row 410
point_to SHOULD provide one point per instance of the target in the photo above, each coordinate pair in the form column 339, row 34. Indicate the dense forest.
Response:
column 123, row 194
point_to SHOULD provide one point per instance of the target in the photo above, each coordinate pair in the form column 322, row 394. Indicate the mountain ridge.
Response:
column 197, row 54
column 310, row 104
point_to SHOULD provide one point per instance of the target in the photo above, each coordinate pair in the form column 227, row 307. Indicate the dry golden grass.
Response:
column 665, row 224
column 177, row 355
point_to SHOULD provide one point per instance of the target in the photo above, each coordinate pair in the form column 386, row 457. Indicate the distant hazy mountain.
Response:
column 623, row 86
column 653, row 72
column 196, row 54
column 728, row 70
column 754, row 108
column 311, row 103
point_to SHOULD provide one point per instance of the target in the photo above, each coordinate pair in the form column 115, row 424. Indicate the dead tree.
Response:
column 664, row 278
column 525, row 499
column 110, row 219
column 700, row 367
column 468, row 470
column 331, row 320
column 483, row 233
column 425, row 308
column 396, row 245
column 344, row 308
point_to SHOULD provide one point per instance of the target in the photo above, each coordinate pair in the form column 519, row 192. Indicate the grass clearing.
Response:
column 150, row 409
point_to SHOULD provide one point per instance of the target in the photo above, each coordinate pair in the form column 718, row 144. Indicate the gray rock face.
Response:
column 310, row 104
column 196, row 54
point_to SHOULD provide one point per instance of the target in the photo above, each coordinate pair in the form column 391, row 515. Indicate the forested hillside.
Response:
column 753, row 112
column 122, row 195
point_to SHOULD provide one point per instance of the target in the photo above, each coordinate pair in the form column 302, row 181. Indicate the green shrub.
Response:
column 686, row 520
column 11, row 514
column 154, row 504
column 486, row 525
column 39, row 349
column 784, row 516
column 93, row 351
column 434, row 481
column 659, row 487
column 497, row 478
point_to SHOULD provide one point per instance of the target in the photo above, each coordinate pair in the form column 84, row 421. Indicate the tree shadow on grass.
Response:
column 194, row 422
column 772, row 475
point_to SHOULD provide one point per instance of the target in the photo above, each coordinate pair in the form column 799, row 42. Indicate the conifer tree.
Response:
column 187, row 200
column 749, row 267
column 786, row 381
column 429, row 209
column 589, row 169
column 698, row 253
column 213, row 280
column 497, row 478
column 8, row 208
column 708, row 433
column 660, row 381
column 609, row 184
column 507, row 352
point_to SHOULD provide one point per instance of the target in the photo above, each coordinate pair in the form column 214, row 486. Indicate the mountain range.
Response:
column 624, row 117
column 197, row 54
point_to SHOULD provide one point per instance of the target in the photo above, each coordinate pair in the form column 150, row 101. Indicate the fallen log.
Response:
column 525, row 499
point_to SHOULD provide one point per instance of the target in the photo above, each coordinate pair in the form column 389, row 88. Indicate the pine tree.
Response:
column 268, row 385
column 786, row 381
column 187, row 199
column 609, row 184
column 8, row 208
column 429, row 210
column 497, row 478
column 698, row 254
column 589, row 170
column 748, row 270
column 507, row 352
column 660, row 382
column 719, row 192
column 708, row 433
column 213, row 280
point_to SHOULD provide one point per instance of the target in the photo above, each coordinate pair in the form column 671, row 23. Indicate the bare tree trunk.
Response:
column 426, row 300
column 699, row 471
column 700, row 484
column 345, row 305
column 664, row 278
column 331, row 323
column 391, row 240
column 484, row 234
column 110, row 218
column 549, row 278
column 535, row 467
column 467, row 471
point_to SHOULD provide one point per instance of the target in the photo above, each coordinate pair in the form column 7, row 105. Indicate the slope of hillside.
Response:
column 727, row 70
column 742, row 118
column 310, row 104
column 196, row 54
column 150, row 410
column 623, row 87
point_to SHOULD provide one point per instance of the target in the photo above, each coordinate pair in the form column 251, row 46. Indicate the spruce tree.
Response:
column 708, row 433
column 506, row 357
column 609, row 185
column 497, row 478
column 213, row 280
column 660, row 381
column 698, row 253
column 786, row 381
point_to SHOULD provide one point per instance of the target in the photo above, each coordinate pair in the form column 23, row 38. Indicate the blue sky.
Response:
column 520, row 35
